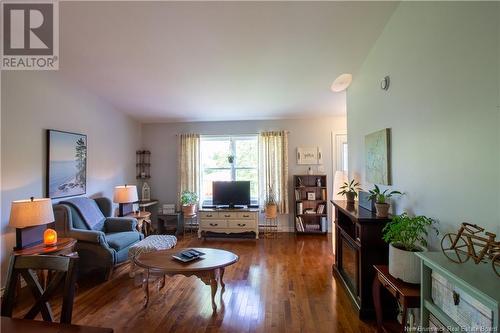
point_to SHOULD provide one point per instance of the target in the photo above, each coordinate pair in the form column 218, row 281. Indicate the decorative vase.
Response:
column 189, row 210
column 404, row 265
column 382, row 209
column 271, row 211
column 349, row 197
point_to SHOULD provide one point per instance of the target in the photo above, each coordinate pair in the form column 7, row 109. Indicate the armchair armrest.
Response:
column 91, row 236
column 120, row 224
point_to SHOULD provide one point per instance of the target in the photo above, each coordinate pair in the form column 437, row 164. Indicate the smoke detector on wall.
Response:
column 384, row 84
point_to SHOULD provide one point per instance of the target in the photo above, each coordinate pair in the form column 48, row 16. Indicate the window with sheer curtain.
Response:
column 229, row 158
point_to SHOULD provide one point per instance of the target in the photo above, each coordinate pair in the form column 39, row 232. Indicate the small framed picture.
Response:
column 311, row 196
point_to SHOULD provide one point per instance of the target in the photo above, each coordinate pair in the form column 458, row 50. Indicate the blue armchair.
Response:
column 102, row 241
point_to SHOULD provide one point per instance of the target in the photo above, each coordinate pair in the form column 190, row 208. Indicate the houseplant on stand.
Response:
column 380, row 198
column 271, row 209
column 406, row 235
column 349, row 190
column 188, row 201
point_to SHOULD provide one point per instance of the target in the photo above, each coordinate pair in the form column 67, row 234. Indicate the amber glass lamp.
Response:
column 50, row 237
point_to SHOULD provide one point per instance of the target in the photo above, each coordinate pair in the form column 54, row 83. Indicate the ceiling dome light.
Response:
column 341, row 83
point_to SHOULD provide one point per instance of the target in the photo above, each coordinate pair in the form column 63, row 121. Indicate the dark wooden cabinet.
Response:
column 358, row 246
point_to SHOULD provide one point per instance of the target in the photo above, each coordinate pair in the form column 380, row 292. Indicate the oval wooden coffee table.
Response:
column 208, row 268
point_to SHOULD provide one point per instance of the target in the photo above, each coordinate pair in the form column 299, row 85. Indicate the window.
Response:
column 229, row 158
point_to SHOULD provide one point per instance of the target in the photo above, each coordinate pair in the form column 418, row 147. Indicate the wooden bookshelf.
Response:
column 310, row 197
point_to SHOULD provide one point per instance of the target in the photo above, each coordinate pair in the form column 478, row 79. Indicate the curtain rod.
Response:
column 242, row 134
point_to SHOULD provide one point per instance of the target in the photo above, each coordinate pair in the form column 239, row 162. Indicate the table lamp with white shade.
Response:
column 125, row 195
column 30, row 218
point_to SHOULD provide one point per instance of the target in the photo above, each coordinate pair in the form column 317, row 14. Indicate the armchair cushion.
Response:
column 119, row 224
column 122, row 240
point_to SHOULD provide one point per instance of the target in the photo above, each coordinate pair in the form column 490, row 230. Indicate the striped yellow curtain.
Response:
column 189, row 163
column 273, row 156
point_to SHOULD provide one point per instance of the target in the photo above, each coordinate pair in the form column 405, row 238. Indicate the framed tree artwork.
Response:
column 378, row 157
column 66, row 164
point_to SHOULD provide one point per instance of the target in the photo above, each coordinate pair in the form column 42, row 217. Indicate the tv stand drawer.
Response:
column 209, row 215
column 213, row 224
column 241, row 224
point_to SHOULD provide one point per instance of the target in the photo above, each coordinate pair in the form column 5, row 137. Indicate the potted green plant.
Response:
column 349, row 190
column 380, row 198
column 406, row 235
column 271, row 209
column 188, row 201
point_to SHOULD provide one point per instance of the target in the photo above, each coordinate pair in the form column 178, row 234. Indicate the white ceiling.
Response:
column 186, row 61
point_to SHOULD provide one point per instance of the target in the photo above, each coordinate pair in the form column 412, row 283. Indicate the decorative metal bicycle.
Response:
column 467, row 243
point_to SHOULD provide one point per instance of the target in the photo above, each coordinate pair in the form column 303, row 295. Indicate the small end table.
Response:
column 407, row 294
column 64, row 246
column 170, row 223
column 143, row 221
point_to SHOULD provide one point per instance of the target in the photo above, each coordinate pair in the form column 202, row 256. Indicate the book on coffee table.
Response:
column 188, row 255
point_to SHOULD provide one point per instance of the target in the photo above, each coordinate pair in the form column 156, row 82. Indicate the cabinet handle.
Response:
column 209, row 215
column 246, row 215
column 242, row 224
column 227, row 215
column 214, row 224
column 456, row 298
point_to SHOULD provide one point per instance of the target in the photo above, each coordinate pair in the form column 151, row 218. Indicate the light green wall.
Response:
column 442, row 106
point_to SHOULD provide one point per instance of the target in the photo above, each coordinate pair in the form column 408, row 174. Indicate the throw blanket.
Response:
column 88, row 209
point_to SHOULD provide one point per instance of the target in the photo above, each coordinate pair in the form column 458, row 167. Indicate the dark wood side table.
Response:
column 407, row 294
column 63, row 246
column 170, row 223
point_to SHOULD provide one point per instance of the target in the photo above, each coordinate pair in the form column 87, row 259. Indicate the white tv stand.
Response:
column 229, row 221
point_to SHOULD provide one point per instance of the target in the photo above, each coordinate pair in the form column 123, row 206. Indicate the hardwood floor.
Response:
column 278, row 285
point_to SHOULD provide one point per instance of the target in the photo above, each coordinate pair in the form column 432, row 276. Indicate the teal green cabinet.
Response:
column 458, row 297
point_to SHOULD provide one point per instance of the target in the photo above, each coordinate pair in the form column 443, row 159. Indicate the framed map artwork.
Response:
column 378, row 157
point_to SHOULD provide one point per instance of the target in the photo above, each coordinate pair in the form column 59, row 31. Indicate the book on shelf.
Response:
column 320, row 209
column 312, row 227
column 324, row 226
column 309, row 211
column 323, row 194
column 297, row 195
column 299, row 224
column 299, row 208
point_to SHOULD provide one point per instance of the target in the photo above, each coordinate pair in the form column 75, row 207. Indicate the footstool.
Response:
column 150, row 244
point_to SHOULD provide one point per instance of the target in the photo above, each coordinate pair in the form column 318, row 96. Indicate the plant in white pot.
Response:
column 406, row 235
column 188, row 201
column 349, row 190
column 381, row 203
column 271, row 209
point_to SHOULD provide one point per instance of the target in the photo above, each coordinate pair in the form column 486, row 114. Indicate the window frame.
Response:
column 207, row 201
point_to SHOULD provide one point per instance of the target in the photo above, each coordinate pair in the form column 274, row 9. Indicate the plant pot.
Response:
column 271, row 211
column 189, row 210
column 349, row 196
column 382, row 209
column 404, row 265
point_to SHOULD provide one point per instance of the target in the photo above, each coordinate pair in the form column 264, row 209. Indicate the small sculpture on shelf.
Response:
column 467, row 243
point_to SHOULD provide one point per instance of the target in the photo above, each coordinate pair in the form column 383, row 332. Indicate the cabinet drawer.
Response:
column 435, row 325
column 245, row 224
column 209, row 215
column 247, row 215
column 213, row 224
column 228, row 215
column 462, row 308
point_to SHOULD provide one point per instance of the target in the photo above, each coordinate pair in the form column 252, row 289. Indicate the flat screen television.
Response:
column 236, row 193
